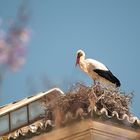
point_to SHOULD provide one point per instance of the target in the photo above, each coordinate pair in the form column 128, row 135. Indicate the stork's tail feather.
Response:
column 118, row 84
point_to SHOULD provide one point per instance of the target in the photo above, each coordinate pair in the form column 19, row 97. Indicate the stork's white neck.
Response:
column 82, row 58
column 82, row 64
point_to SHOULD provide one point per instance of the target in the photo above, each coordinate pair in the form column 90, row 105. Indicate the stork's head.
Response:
column 80, row 54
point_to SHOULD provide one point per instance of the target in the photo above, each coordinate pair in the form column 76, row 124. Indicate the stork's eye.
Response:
column 79, row 54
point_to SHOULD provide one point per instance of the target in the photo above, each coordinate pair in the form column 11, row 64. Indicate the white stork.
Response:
column 96, row 70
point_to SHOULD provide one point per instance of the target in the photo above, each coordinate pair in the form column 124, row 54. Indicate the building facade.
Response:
column 26, row 119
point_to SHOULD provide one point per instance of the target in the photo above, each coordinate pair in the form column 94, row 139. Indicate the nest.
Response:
column 81, row 100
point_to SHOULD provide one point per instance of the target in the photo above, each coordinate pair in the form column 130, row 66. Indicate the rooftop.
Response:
column 48, row 110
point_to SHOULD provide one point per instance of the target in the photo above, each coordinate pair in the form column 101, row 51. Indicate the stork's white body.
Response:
column 89, row 65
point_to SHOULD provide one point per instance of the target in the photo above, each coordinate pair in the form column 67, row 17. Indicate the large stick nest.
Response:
column 91, row 98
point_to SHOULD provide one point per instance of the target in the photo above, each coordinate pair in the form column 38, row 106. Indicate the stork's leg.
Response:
column 97, row 86
column 98, row 83
column 94, row 83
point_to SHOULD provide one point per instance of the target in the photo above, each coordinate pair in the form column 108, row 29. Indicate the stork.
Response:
column 96, row 70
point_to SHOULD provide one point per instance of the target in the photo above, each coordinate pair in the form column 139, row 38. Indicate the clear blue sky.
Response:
column 107, row 30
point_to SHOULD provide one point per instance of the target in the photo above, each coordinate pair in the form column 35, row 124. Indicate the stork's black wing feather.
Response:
column 108, row 75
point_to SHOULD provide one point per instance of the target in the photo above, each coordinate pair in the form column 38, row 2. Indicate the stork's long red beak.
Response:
column 77, row 61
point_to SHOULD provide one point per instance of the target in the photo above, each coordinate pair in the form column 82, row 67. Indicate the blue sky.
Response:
column 107, row 30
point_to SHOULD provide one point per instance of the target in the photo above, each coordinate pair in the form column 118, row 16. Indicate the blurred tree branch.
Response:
column 14, row 41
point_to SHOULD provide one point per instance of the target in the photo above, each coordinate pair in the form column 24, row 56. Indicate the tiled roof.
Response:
column 44, row 125
column 24, row 112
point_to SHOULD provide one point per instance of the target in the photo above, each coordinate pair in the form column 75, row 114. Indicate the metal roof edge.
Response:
column 12, row 106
